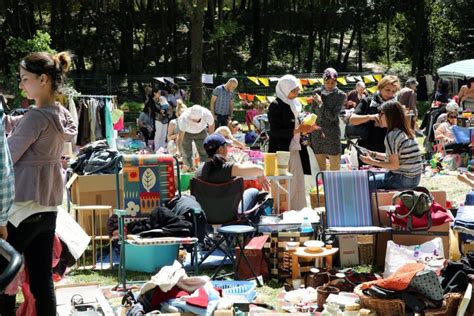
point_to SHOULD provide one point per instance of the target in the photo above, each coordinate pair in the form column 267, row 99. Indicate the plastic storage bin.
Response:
column 149, row 258
column 239, row 288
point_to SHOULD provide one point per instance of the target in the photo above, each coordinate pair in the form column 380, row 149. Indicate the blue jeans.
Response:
column 390, row 180
column 250, row 199
column 222, row 120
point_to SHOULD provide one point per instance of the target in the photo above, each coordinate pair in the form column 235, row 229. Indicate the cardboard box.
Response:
column 97, row 189
column 348, row 250
column 385, row 198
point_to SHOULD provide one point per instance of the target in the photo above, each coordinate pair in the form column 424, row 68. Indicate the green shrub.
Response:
column 132, row 106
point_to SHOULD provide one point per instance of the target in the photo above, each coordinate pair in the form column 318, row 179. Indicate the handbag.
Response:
column 360, row 131
column 418, row 201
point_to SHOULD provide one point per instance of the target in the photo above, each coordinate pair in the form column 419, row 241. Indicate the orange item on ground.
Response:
column 398, row 281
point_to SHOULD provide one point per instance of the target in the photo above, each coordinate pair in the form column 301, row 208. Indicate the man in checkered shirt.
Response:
column 7, row 179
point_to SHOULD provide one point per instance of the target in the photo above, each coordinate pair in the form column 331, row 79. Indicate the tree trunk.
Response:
column 348, row 50
column 418, row 30
column 311, row 40
column 339, row 49
column 220, row 14
column 322, row 55
column 54, row 23
column 265, row 38
column 359, row 44
column 255, row 50
column 126, row 41
column 387, row 39
column 196, row 47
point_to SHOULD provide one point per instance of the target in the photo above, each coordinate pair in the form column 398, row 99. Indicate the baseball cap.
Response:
column 214, row 141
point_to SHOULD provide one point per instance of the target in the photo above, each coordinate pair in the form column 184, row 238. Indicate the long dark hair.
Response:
column 443, row 86
column 395, row 116
column 216, row 160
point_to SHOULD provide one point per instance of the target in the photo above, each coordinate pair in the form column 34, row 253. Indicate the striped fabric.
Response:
column 149, row 182
column 138, row 241
column 348, row 203
column 408, row 151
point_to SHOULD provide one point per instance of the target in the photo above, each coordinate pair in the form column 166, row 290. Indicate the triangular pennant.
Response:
column 304, row 82
column 312, row 81
column 181, row 78
column 242, row 96
column 264, row 81
column 169, row 79
column 358, row 78
column 342, row 81
column 309, row 100
column 261, row 98
column 378, row 77
column 303, row 101
column 350, row 79
column 321, row 81
column 273, row 79
column 160, row 79
column 254, row 80
column 372, row 89
column 250, row 97
column 369, row 78
column 271, row 99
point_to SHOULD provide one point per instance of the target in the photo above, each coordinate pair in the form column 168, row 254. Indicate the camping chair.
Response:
column 148, row 182
column 220, row 202
column 348, row 208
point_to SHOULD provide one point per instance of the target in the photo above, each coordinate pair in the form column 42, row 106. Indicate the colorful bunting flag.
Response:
column 272, row 79
column 342, row 81
column 264, row 81
column 378, row 77
column 250, row 97
column 321, row 81
column 242, row 96
column 369, row 78
column 254, row 80
column 261, row 98
column 304, row 82
column 358, row 78
column 312, row 81
column 372, row 89
column 271, row 99
column 350, row 79
column 309, row 100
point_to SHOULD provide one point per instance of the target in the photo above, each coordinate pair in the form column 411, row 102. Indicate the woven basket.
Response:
column 383, row 307
column 450, row 306
column 396, row 307
column 314, row 199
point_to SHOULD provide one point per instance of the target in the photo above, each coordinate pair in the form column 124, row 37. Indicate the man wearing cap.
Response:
column 194, row 124
column 222, row 102
column 407, row 97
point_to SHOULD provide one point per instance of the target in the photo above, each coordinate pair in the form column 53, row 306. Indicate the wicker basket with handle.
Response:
column 396, row 307
column 314, row 199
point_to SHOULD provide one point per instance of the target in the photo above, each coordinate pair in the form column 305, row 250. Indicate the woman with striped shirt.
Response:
column 402, row 157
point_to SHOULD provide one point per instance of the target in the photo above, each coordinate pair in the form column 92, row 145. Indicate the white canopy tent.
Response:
column 459, row 70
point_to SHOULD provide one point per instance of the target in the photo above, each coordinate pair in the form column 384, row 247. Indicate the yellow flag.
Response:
column 342, row 80
column 265, row 81
column 303, row 101
column 254, row 80
column 261, row 98
column 378, row 77
column 312, row 81
column 372, row 89
column 271, row 99
column 369, row 78
column 321, row 81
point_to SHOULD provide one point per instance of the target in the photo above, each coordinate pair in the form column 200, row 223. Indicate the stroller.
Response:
column 15, row 261
column 262, row 127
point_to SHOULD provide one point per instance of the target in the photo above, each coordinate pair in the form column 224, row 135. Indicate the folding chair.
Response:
column 220, row 203
column 348, row 199
column 148, row 182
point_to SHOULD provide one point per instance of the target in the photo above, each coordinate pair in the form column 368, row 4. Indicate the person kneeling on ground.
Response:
column 402, row 157
column 218, row 170
column 228, row 133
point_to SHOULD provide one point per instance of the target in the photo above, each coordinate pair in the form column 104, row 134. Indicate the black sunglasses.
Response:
column 452, row 116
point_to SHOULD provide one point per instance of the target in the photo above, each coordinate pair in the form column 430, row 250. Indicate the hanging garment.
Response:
column 109, row 129
column 75, row 117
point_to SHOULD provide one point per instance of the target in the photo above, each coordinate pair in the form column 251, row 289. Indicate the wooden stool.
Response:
column 95, row 211
column 301, row 253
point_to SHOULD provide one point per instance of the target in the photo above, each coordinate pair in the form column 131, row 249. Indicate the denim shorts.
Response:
column 390, row 180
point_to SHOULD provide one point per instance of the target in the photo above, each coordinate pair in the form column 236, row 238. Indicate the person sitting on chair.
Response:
column 444, row 132
column 402, row 158
column 218, row 170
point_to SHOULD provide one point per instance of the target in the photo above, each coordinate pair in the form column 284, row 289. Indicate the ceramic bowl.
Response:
column 314, row 245
column 292, row 245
